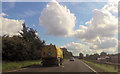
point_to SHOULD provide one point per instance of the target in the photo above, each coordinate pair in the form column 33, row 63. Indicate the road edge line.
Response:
column 89, row 67
column 17, row 70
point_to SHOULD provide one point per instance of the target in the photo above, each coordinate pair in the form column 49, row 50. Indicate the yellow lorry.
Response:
column 52, row 55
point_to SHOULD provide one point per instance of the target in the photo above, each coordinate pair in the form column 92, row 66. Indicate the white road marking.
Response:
column 17, row 70
column 89, row 67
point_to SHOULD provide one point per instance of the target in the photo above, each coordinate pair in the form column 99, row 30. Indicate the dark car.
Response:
column 72, row 59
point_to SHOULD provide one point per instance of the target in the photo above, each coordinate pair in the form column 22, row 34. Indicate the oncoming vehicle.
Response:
column 72, row 59
column 52, row 55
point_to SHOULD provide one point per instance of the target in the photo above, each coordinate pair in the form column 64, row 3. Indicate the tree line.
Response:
column 92, row 56
column 25, row 46
column 66, row 54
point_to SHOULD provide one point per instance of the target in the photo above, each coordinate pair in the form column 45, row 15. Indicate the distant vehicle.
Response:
column 72, row 59
column 52, row 55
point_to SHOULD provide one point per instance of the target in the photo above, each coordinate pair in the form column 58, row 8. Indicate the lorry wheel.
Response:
column 61, row 61
column 58, row 64
column 44, row 65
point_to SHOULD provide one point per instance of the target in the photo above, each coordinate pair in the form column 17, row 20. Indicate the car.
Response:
column 72, row 59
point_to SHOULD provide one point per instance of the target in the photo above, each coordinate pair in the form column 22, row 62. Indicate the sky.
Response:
column 86, row 27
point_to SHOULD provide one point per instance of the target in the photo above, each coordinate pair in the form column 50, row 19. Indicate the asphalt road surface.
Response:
column 68, row 66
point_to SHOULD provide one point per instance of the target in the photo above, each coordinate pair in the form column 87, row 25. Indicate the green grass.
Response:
column 0, row 67
column 6, row 66
column 103, row 67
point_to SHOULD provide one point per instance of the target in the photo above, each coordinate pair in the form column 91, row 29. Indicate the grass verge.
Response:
column 6, row 66
column 103, row 67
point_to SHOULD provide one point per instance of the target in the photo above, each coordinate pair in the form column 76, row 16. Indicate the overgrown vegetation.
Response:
column 103, row 67
column 6, row 66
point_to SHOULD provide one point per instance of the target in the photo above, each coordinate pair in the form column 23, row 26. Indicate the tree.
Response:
column 87, row 56
column 26, row 46
column 95, row 56
column 34, row 42
column 92, row 56
column 66, row 53
column 13, row 48
column 103, row 54
column 81, row 56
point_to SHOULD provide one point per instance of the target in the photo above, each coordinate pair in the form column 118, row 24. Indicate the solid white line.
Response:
column 89, row 67
column 17, row 70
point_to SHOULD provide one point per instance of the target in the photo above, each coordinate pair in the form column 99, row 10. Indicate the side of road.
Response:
column 12, row 66
column 15, row 66
column 101, row 67
column 89, row 67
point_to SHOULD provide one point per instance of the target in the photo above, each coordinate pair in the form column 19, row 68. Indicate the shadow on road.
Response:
column 38, row 66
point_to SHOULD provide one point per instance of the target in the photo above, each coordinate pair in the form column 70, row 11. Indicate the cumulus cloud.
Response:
column 103, row 43
column 10, row 26
column 113, row 7
column 57, row 19
column 77, row 48
column 102, row 24
column 100, row 33
column 101, row 30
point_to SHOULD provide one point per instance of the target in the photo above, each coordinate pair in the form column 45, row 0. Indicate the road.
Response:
column 68, row 66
